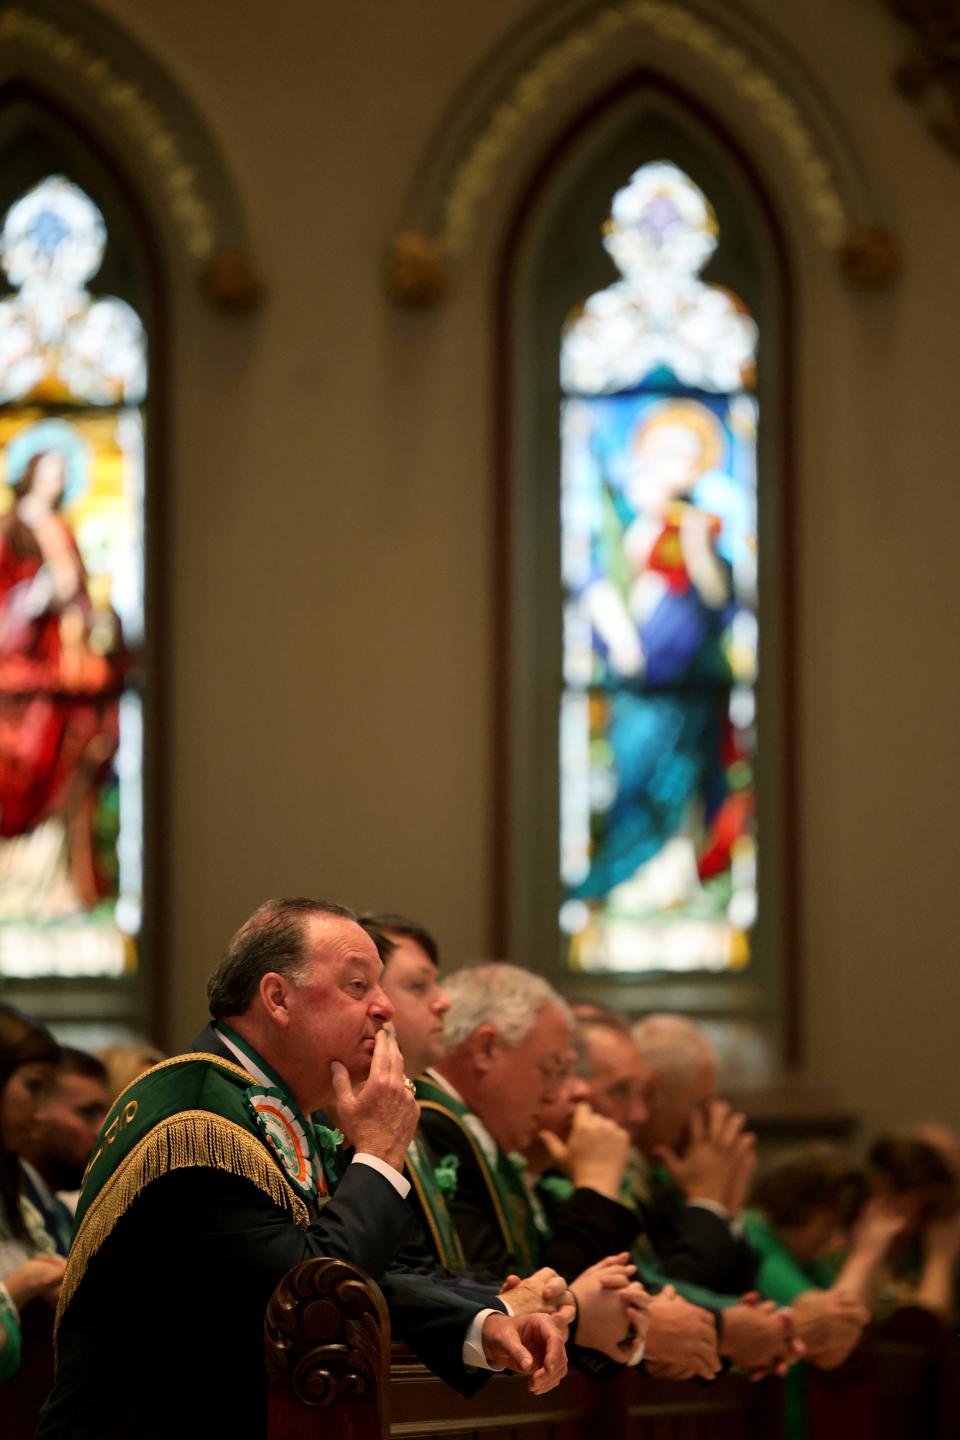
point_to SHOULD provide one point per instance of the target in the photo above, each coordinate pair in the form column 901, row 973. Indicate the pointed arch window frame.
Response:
column 130, row 1003
column 778, row 998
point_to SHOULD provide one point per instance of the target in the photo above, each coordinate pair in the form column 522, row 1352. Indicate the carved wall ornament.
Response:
column 470, row 166
column 869, row 257
column 416, row 270
column 930, row 75
column 69, row 48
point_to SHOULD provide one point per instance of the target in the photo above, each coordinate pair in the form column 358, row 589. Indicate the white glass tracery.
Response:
column 56, row 338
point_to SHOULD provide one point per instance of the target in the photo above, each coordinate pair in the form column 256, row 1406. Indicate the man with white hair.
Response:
column 507, row 1046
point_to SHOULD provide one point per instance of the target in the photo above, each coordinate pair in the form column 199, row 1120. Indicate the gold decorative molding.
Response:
column 138, row 103
column 930, row 74
column 134, row 113
column 471, row 171
column 773, row 107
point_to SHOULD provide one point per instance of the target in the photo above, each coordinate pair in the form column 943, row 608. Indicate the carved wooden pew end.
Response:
column 327, row 1345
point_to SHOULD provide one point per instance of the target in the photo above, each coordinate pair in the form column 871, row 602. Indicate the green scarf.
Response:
column 193, row 1110
column 508, row 1194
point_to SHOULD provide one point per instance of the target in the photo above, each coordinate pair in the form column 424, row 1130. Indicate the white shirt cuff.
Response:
column 721, row 1211
column 638, row 1357
column 473, row 1355
column 399, row 1182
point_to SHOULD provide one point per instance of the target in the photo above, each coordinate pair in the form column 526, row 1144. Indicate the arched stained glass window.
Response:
column 659, row 567
column 73, row 384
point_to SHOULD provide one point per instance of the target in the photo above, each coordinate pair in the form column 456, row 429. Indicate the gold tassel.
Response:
column 191, row 1138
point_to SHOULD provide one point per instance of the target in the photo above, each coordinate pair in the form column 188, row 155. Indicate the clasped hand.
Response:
column 612, row 1307
column 719, row 1158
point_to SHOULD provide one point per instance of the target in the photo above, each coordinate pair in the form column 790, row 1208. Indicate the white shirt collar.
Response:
column 243, row 1060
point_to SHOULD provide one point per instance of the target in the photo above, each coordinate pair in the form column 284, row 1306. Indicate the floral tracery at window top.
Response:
column 661, row 233
column 57, row 342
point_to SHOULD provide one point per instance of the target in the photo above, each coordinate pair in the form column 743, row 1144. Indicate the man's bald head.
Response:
column 685, row 1068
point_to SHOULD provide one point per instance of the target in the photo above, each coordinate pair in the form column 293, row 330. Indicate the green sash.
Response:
column 421, row 1172
column 508, row 1194
column 190, row 1111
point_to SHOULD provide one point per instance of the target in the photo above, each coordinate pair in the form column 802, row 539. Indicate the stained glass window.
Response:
column 658, row 845
column 72, row 388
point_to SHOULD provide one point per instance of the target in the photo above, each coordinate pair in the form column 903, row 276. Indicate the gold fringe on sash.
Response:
column 183, row 1141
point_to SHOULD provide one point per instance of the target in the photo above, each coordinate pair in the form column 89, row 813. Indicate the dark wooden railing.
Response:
column 330, row 1374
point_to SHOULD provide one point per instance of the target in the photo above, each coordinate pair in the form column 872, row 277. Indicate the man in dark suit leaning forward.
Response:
column 210, row 1181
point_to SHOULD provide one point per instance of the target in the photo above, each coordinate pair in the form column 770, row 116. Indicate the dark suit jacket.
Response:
column 692, row 1243
column 587, row 1228
column 165, row 1335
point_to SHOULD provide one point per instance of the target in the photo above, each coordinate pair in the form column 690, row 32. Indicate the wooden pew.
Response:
column 327, row 1337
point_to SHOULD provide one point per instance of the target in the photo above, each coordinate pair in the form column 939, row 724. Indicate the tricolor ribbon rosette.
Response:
column 287, row 1137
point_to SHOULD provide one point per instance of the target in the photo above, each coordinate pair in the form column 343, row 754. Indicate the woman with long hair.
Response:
column 30, row 1269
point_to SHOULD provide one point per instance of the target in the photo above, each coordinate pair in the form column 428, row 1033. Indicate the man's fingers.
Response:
column 514, row 1353
column 380, row 1060
column 554, row 1147
column 615, row 1279
column 553, row 1363
column 730, row 1128
column 620, row 1259
column 341, row 1083
column 394, row 1057
column 511, row 1283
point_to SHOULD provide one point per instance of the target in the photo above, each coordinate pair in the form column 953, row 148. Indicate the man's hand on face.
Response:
column 743, row 1166
column 759, row 1337
column 594, row 1153
column 681, row 1340
column 531, row 1345
column 829, row 1323
column 380, row 1117
column 612, row 1308
column 713, row 1154
column 542, row 1291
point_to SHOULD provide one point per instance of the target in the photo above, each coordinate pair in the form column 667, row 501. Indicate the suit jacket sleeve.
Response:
column 365, row 1221
column 586, row 1229
column 692, row 1243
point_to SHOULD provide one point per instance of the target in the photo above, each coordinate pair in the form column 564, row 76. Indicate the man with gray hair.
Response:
column 508, row 1038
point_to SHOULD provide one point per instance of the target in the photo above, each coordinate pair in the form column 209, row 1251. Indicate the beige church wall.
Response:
column 327, row 549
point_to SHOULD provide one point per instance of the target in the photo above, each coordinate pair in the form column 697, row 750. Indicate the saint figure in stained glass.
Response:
column 659, row 568
column 71, row 617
